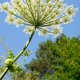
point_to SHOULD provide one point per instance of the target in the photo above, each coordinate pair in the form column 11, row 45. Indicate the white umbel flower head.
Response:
column 10, row 19
column 5, row 6
column 41, row 15
column 66, row 19
column 57, row 31
column 70, row 10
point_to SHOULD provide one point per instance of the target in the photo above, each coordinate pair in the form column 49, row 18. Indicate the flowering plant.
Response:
column 43, row 16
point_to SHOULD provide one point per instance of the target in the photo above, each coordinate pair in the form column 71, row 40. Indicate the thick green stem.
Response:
column 3, row 74
column 21, row 52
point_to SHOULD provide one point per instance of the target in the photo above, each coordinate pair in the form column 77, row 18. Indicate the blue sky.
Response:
column 15, row 38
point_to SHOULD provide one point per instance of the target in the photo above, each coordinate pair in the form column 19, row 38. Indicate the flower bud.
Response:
column 8, row 62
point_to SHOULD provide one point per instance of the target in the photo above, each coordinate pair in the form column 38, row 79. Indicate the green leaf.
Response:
column 11, row 55
column 26, row 53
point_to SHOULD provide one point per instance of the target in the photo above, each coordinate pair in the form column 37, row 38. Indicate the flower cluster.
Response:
column 46, row 16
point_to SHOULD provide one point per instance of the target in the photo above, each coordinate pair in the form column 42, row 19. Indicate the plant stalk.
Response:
column 20, row 53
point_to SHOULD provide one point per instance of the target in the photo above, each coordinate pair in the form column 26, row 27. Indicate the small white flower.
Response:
column 50, row 4
column 56, row 22
column 53, row 16
column 70, row 10
column 10, row 19
column 19, row 22
column 57, row 31
column 43, row 31
column 43, row 6
column 29, row 29
column 59, row 5
column 66, row 19
column 58, row 12
column 5, row 6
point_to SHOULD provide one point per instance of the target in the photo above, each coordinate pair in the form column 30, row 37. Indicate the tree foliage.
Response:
column 59, row 60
